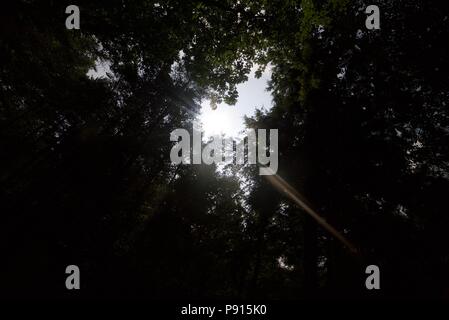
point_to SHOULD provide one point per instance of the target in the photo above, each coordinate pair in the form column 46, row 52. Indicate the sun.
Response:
column 216, row 122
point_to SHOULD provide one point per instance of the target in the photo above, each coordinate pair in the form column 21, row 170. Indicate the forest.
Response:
column 86, row 177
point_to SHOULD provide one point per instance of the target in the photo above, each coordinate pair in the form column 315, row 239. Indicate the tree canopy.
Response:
column 85, row 170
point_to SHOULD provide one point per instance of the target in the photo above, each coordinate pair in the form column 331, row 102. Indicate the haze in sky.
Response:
column 229, row 119
column 225, row 119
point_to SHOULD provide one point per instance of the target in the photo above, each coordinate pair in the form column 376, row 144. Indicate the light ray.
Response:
column 284, row 187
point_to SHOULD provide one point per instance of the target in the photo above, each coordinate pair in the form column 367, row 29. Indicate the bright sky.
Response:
column 229, row 119
column 225, row 119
